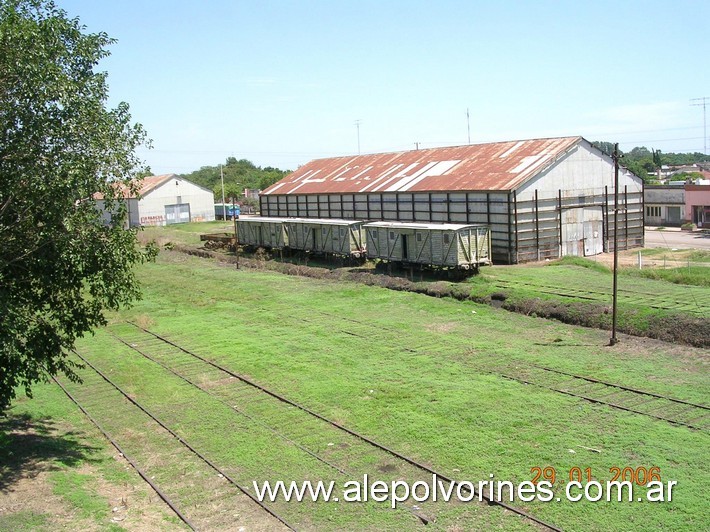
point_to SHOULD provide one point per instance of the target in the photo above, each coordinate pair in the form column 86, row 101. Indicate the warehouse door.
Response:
column 582, row 231
column 593, row 242
column 177, row 214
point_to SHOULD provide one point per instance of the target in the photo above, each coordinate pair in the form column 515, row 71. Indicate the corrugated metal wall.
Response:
column 521, row 231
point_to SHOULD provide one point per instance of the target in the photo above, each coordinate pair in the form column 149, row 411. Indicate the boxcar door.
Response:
column 405, row 247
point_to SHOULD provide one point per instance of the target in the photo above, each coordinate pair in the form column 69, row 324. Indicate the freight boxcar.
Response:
column 258, row 231
column 331, row 236
column 441, row 245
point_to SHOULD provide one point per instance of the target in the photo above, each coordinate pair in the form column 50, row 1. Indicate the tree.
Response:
column 606, row 147
column 61, row 266
column 231, row 190
column 657, row 159
column 240, row 171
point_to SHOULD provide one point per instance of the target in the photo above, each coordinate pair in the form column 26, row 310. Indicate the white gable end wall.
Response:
column 152, row 206
column 582, row 171
column 568, row 208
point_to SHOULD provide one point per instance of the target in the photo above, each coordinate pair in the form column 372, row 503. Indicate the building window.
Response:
column 419, row 237
column 391, row 235
column 447, row 238
column 653, row 212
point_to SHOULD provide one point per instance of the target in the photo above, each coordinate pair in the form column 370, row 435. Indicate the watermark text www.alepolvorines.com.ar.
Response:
column 437, row 489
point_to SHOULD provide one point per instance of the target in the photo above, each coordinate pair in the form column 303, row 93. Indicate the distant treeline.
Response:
column 642, row 161
column 238, row 175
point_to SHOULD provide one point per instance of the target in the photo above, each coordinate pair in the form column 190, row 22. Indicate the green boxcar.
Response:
column 328, row 236
column 443, row 245
column 263, row 232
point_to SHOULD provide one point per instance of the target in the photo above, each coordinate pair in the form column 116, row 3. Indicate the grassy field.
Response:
column 414, row 372
column 585, row 280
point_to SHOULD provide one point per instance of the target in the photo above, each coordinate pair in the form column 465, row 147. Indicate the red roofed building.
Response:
column 542, row 198
column 166, row 199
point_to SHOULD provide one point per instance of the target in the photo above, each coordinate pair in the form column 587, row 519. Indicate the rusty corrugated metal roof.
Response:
column 147, row 185
column 150, row 183
column 492, row 166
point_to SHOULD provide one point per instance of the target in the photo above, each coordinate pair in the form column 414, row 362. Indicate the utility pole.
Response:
column 357, row 124
column 613, row 340
column 468, row 125
column 703, row 102
column 224, row 207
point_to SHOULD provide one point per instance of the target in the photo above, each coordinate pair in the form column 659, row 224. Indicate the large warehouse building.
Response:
column 542, row 198
column 168, row 199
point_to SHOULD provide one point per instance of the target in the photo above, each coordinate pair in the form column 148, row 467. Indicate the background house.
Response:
column 697, row 205
column 167, row 199
column 664, row 204
column 542, row 198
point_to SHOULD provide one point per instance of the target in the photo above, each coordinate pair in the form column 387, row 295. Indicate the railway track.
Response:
column 646, row 403
column 695, row 304
column 344, row 450
column 657, row 406
column 165, row 498
column 216, row 489
column 643, row 402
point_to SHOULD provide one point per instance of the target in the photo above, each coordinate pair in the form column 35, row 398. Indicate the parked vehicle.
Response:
column 226, row 211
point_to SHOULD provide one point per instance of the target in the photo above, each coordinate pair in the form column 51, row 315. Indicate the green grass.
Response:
column 693, row 275
column 187, row 234
column 573, row 278
column 413, row 372
column 79, row 490
column 24, row 521
column 678, row 255
column 581, row 262
column 436, row 403
column 699, row 255
column 49, row 434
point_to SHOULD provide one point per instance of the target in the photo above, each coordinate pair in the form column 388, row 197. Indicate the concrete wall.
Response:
column 664, row 195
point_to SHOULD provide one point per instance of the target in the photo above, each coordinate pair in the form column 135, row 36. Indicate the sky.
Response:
column 282, row 82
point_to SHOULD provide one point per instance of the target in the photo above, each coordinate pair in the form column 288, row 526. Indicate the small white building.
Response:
column 664, row 204
column 168, row 199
